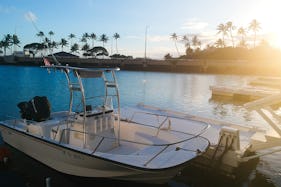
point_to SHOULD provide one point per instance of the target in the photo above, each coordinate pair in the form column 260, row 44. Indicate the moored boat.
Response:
column 93, row 139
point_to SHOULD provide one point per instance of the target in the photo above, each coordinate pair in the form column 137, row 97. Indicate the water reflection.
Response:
column 224, row 107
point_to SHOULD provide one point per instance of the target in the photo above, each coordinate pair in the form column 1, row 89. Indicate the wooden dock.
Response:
column 271, row 82
column 244, row 94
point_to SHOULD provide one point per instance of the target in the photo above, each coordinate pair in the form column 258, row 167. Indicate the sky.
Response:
column 135, row 19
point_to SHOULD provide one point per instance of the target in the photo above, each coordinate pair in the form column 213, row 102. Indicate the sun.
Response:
column 268, row 13
column 272, row 34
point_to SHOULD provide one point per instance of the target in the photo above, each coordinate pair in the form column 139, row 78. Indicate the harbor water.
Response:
column 188, row 93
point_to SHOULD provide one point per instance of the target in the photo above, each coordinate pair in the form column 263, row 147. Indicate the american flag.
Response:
column 46, row 62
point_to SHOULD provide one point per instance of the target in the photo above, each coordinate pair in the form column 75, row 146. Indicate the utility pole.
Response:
column 145, row 46
column 145, row 42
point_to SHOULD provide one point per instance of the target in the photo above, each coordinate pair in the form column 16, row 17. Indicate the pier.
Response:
column 244, row 94
column 270, row 82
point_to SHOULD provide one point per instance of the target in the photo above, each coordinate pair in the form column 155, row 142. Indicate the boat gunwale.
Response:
column 44, row 140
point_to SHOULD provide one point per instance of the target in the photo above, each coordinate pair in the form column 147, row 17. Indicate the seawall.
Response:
column 209, row 66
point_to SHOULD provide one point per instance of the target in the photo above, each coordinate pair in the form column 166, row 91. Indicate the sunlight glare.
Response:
column 268, row 13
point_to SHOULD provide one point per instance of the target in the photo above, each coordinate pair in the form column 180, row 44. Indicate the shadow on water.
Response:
column 23, row 171
column 246, row 176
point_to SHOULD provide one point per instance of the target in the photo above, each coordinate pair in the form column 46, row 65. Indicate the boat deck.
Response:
column 193, row 124
column 140, row 145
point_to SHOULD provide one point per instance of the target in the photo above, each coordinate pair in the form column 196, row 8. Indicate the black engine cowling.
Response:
column 37, row 109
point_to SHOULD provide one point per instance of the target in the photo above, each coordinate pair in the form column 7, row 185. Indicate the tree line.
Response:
column 232, row 42
column 239, row 44
column 47, row 41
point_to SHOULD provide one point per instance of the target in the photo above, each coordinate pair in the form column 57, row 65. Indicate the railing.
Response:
column 169, row 124
column 152, row 114
column 161, row 151
column 66, row 134
column 159, row 125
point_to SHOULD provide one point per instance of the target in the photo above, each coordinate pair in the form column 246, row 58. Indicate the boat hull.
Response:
column 77, row 163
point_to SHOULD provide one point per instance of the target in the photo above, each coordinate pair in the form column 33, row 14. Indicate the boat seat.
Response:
column 35, row 130
column 44, row 128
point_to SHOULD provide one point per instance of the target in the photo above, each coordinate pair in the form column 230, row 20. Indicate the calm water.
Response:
column 187, row 93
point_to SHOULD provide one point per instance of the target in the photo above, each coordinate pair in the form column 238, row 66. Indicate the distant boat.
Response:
column 96, row 141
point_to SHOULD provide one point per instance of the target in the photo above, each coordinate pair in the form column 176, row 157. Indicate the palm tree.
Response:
column 116, row 36
column 230, row 28
column 71, row 36
column 15, row 41
column 84, row 40
column 1, row 46
column 219, row 43
column 63, row 43
column 186, row 41
column 74, row 48
column 103, row 39
column 85, row 48
column 254, row 26
column 195, row 41
column 243, row 43
column 53, row 45
column 93, row 37
column 51, row 33
column 242, row 32
column 41, row 34
column 47, row 43
column 85, row 36
column 175, row 38
column 167, row 56
column 7, row 42
column 47, row 40
column 223, row 30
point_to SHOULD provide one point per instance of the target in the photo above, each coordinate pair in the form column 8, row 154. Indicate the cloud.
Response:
column 194, row 24
column 134, row 37
column 30, row 16
column 158, row 38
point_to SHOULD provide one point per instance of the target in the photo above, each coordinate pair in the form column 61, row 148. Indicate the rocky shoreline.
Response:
column 240, row 67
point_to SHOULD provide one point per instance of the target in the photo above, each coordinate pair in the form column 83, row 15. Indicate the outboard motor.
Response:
column 37, row 109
